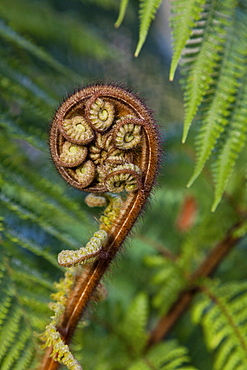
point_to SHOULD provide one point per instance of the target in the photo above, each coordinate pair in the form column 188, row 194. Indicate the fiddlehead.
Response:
column 103, row 141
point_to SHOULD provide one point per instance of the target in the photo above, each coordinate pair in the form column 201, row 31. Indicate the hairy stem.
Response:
column 114, row 134
column 207, row 268
column 85, row 285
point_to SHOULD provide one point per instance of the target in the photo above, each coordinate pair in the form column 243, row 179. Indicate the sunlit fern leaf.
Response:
column 122, row 11
column 147, row 12
column 222, row 314
column 165, row 356
column 183, row 20
column 218, row 116
column 234, row 143
column 134, row 324
column 202, row 55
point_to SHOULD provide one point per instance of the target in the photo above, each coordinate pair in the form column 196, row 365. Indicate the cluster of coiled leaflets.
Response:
column 103, row 141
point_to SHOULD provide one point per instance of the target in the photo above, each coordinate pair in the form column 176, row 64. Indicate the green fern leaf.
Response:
column 182, row 21
column 202, row 62
column 216, row 120
column 222, row 313
column 233, row 145
column 24, row 360
column 148, row 9
column 25, row 291
column 169, row 281
column 122, row 11
column 165, row 356
column 134, row 324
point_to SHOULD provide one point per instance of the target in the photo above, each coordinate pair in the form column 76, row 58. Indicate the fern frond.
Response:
column 25, row 288
column 202, row 55
column 165, row 356
column 183, row 20
column 222, row 313
column 233, row 145
column 13, row 325
column 230, row 80
column 22, row 202
column 122, row 11
column 19, row 170
column 147, row 12
column 134, row 324
column 17, row 239
column 168, row 280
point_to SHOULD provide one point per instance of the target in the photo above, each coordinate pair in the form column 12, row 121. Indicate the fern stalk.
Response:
column 99, row 105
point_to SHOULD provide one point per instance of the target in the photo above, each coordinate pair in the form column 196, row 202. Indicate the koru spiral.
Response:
column 96, row 140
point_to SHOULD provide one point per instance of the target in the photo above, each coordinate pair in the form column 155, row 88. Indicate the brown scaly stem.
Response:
column 117, row 144
column 207, row 268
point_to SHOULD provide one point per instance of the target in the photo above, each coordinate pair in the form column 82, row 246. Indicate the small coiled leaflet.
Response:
column 69, row 258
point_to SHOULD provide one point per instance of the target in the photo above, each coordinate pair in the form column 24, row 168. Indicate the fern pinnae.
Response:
column 136, row 318
column 168, row 355
column 237, row 132
column 217, row 20
column 217, row 118
column 11, row 325
column 15, row 351
column 183, row 19
column 26, row 359
column 147, row 12
column 222, row 313
column 122, row 11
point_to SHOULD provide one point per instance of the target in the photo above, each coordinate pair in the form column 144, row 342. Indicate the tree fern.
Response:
column 222, row 314
column 41, row 215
